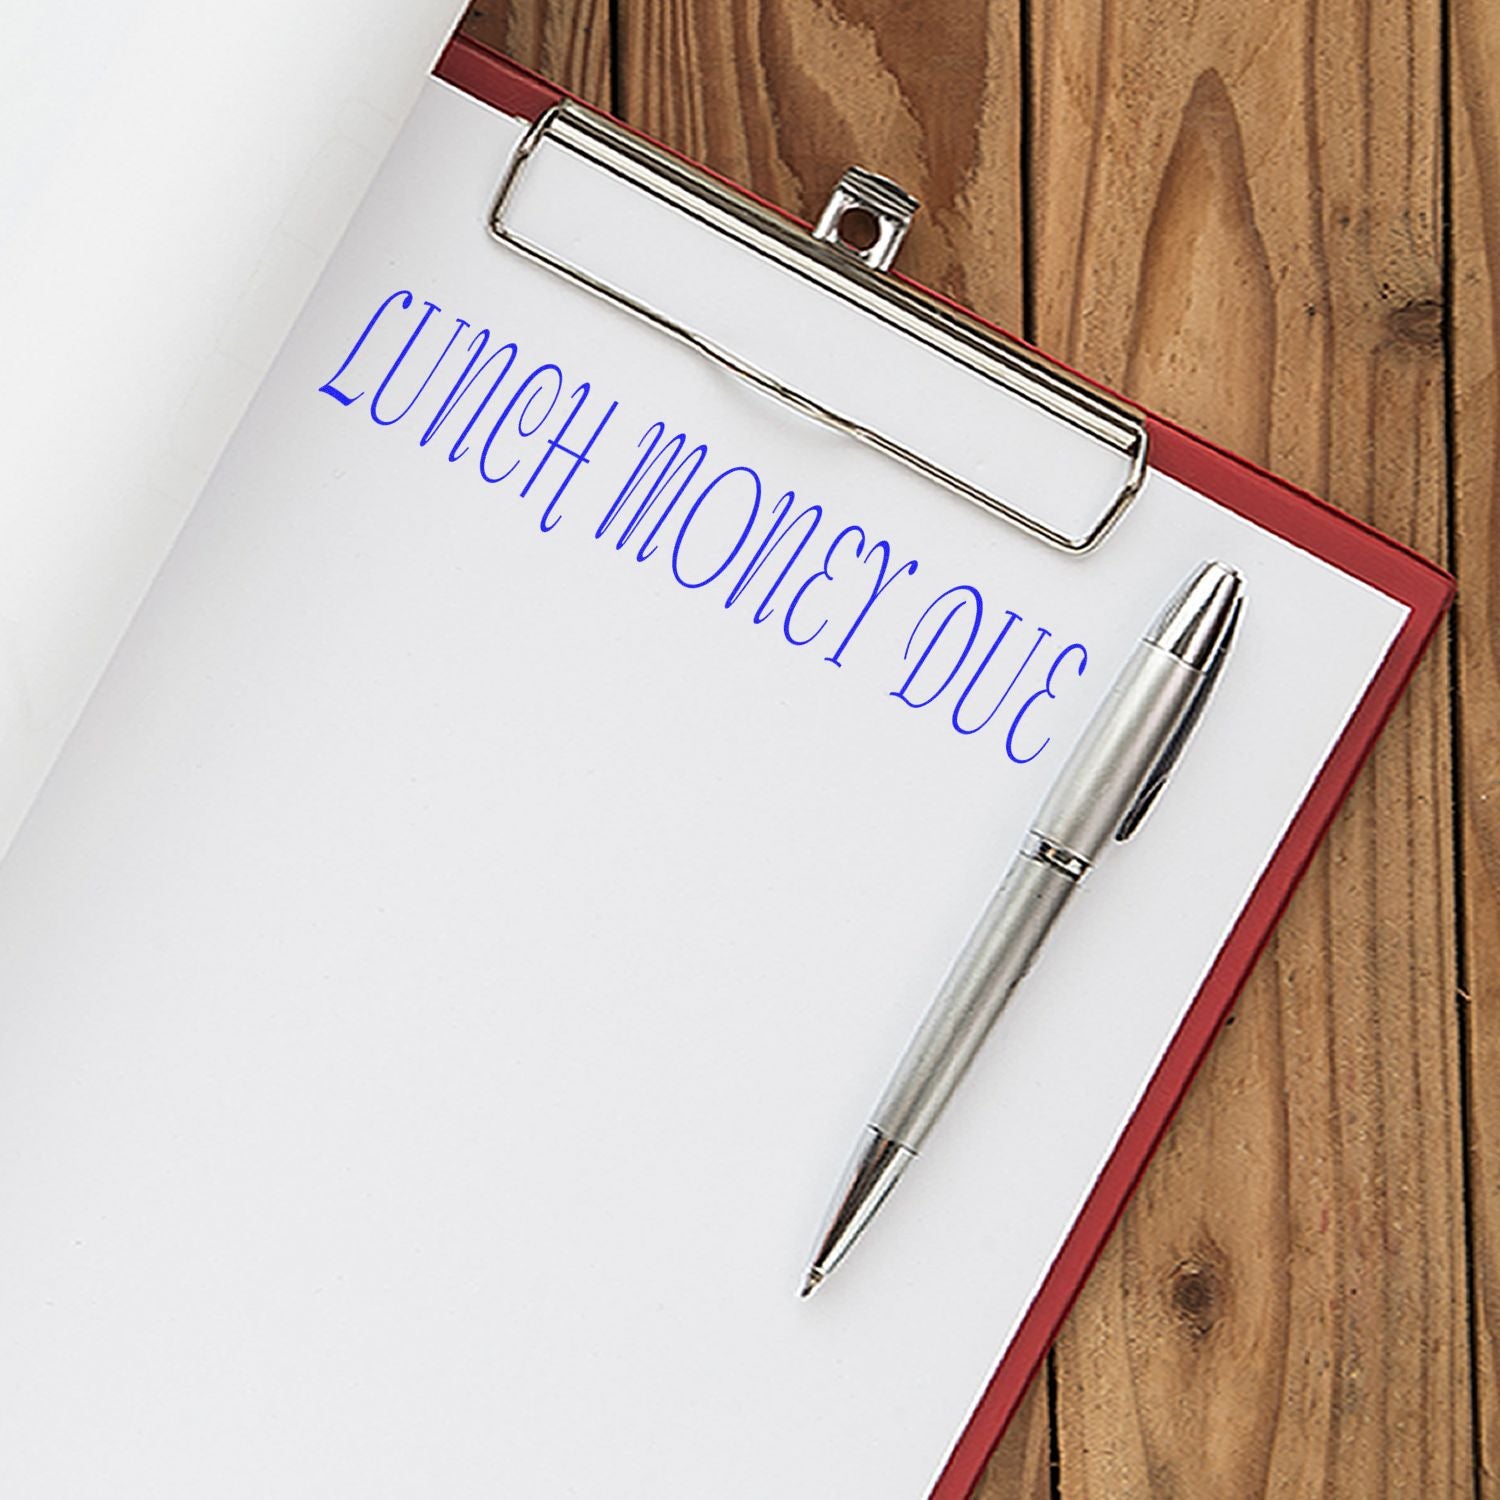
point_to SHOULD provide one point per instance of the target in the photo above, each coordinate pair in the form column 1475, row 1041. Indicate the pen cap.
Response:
column 1193, row 622
column 1130, row 743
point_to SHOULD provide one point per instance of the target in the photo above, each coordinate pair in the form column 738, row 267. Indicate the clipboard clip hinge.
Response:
column 866, row 216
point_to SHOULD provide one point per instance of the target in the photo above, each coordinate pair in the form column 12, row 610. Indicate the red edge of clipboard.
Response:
column 1306, row 522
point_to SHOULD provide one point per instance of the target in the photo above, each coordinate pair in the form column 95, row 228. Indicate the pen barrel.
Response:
column 1095, row 788
column 994, row 960
column 1103, row 776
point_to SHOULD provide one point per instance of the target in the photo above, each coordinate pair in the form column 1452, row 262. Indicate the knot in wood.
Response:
column 1417, row 323
column 1197, row 1292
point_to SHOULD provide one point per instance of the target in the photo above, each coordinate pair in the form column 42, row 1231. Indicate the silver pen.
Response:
column 1101, row 794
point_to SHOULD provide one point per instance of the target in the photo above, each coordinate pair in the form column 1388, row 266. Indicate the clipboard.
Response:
column 1124, row 447
column 563, row 123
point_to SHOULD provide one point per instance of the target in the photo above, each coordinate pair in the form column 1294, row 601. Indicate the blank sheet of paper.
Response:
column 449, row 965
column 172, row 184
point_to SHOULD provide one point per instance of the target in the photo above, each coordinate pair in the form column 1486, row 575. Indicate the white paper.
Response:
column 452, row 960
column 173, row 181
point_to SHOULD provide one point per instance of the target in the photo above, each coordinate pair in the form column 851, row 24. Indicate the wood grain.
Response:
column 567, row 41
column 783, row 95
column 1474, row 116
column 1237, row 220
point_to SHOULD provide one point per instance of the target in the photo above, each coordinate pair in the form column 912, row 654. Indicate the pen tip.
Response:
column 814, row 1276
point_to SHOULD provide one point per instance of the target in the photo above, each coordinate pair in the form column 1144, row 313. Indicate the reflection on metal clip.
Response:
column 832, row 259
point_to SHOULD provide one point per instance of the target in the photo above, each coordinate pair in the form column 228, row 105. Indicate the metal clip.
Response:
column 851, row 266
column 867, row 217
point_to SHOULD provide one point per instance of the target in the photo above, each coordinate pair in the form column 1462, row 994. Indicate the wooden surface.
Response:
column 1279, row 222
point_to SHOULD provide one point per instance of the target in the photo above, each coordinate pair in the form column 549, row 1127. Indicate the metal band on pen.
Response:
column 1045, row 852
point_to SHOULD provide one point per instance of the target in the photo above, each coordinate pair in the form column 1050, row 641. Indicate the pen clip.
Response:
column 1156, row 777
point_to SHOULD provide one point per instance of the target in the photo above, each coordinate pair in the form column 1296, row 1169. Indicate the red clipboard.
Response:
column 1308, row 523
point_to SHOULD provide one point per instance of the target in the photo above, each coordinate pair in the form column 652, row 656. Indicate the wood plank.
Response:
column 782, row 97
column 1237, row 220
column 1021, row 1465
column 1474, row 115
column 567, row 41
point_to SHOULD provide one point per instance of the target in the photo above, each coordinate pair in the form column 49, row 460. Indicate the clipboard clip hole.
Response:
column 858, row 229
column 866, row 216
